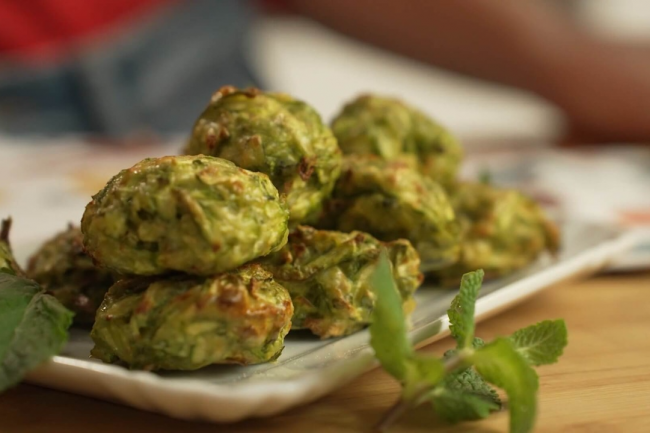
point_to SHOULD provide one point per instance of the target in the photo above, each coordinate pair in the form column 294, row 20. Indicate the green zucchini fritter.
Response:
column 62, row 267
column 328, row 275
column 392, row 129
column 391, row 201
column 186, row 322
column 502, row 231
column 195, row 214
column 274, row 134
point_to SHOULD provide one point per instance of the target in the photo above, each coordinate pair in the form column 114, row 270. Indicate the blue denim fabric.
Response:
column 158, row 75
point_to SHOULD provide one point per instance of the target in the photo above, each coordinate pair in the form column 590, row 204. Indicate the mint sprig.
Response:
column 456, row 385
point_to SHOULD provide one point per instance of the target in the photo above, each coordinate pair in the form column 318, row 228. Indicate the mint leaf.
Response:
column 478, row 343
column 500, row 364
column 542, row 343
column 33, row 328
column 461, row 312
column 449, row 399
column 388, row 323
column 469, row 381
column 8, row 264
column 454, row 406
column 423, row 372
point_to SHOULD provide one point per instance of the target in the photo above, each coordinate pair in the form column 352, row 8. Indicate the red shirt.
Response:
column 37, row 29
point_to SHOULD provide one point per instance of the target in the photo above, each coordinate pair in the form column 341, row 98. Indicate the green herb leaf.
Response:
column 542, row 343
column 388, row 324
column 477, row 343
column 500, row 364
column 423, row 372
column 449, row 399
column 454, row 406
column 8, row 264
column 33, row 328
column 469, row 381
column 461, row 312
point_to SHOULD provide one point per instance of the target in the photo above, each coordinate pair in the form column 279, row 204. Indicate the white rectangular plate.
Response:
column 309, row 368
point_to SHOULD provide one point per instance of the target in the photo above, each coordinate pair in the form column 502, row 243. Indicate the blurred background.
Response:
column 88, row 87
column 125, row 66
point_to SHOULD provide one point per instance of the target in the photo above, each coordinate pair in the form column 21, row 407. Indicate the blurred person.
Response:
column 110, row 67
column 602, row 87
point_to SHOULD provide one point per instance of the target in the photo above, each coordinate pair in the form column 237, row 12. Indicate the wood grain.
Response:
column 602, row 383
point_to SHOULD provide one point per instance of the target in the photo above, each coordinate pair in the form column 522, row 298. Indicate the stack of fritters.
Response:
column 470, row 226
column 213, row 255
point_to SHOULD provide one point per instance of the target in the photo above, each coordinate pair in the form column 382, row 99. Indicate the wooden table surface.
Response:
column 602, row 383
